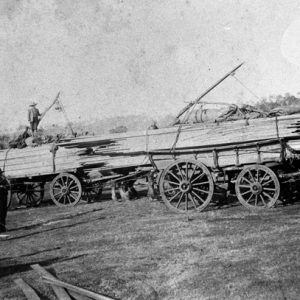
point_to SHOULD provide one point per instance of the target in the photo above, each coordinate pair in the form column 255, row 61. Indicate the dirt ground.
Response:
column 140, row 250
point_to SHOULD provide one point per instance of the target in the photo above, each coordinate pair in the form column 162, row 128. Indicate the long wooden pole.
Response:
column 206, row 92
column 76, row 289
column 49, row 107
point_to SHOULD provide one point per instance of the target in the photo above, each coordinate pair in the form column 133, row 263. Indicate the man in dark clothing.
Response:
column 33, row 117
column 3, row 201
column 19, row 142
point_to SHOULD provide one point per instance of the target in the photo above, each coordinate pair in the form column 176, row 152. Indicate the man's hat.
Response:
column 32, row 103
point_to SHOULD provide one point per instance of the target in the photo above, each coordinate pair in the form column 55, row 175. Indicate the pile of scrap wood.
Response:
column 62, row 290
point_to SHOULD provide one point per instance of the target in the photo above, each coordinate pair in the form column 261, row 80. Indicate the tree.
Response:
column 118, row 129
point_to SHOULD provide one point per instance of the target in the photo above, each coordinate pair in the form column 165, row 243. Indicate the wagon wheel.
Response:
column 92, row 192
column 65, row 190
column 30, row 194
column 186, row 185
column 257, row 187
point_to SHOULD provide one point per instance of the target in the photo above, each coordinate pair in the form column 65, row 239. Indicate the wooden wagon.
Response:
column 254, row 157
column 186, row 162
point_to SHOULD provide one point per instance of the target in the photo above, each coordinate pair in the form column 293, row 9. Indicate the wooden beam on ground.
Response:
column 77, row 296
column 27, row 289
column 60, row 292
column 76, row 289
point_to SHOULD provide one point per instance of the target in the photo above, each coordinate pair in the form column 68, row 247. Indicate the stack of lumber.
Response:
column 35, row 161
column 129, row 150
column 192, row 136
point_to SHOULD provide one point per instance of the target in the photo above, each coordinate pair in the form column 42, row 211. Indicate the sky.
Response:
column 121, row 57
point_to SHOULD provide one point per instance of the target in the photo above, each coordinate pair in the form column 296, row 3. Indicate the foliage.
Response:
column 273, row 101
column 118, row 129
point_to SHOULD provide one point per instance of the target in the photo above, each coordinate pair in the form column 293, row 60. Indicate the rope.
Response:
column 6, row 154
column 243, row 85
column 185, row 118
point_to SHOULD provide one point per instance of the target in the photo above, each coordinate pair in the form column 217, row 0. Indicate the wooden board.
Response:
column 27, row 289
column 59, row 291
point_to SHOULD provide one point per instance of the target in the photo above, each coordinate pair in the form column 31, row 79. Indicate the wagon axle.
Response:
column 185, row 186
column 256, row 188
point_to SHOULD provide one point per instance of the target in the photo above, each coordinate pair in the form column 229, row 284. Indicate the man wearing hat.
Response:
column 33, row 117
column 4, row 187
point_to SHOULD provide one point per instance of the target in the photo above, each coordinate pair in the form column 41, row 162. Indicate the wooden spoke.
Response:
column 268, row 182
column 201, row 183
column 269, row 189
column 198, row 177
column 257, row 174
column 248, row 200
column 179, row 201
column 186, row 171
column 186, row 202
column 200, row 190
column 59, row 193
column 173, row 197
column 180, row 186
column 267, row 195
column 171, row 182
column 245, row 179
column 262, row 199
column 173, row 189
column 246, row 193
column 192, row 200
column 249, row 172
column 193, row 172
column 245, row 186
column 180, row 172
column 198, row 197
column 173, row 175
column 263, row 178
column 260, row 193
column 69, row 191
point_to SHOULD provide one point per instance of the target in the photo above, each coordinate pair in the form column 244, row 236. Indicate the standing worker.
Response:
column 3, row 201
column 33, row 117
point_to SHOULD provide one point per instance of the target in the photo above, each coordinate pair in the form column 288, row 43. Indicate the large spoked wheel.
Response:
column 257, row 187
column 65, row 190
column 30, row 194
column 186, row 185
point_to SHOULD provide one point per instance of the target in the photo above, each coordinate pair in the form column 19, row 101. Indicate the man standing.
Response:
column 3, row 201
column 33, row 117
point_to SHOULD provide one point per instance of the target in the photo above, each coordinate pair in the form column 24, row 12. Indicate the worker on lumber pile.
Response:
column 33, row 117
column 153, row 125
column 4, row 187
column 20, row 141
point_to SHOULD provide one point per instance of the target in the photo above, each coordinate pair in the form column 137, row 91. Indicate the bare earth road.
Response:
column 139, row 250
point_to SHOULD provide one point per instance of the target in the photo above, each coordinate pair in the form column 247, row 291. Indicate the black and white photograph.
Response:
column 149, row 150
